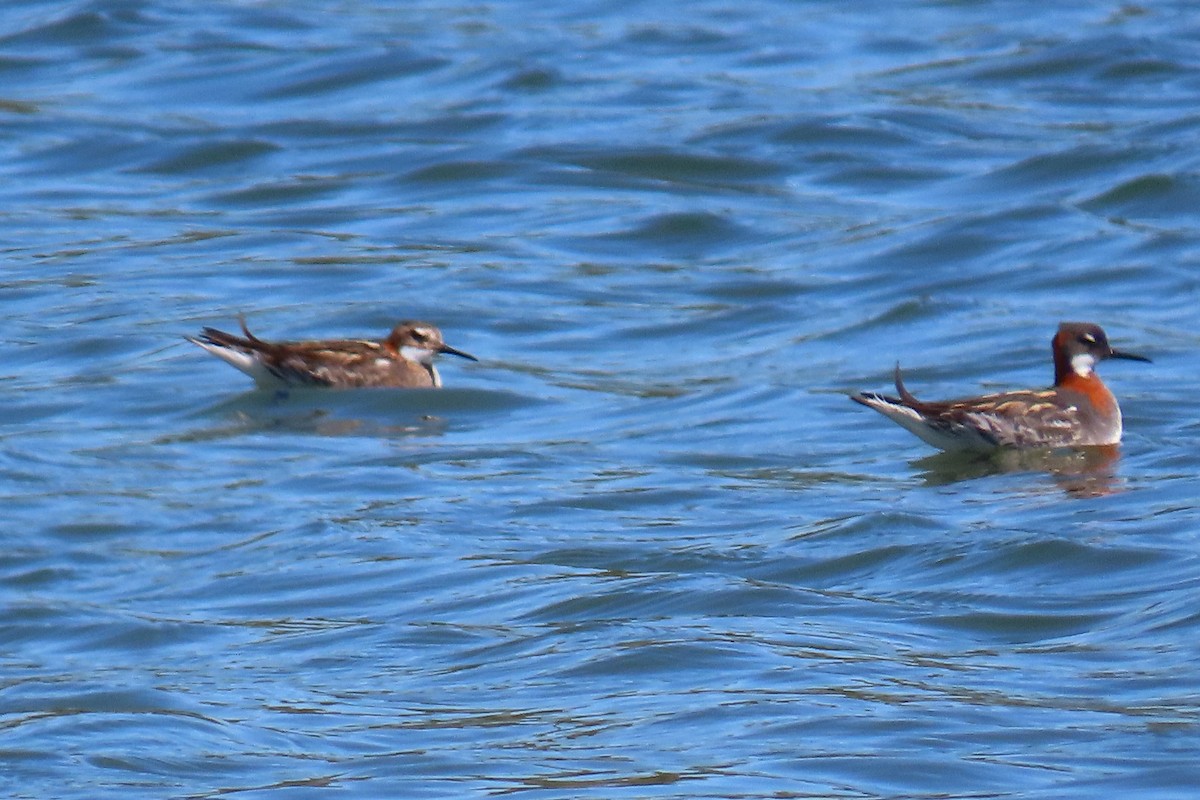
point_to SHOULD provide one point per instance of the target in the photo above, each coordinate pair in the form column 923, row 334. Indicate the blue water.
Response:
column 646, row 547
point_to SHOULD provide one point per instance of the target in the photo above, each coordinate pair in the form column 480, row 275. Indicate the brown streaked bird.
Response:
column 1077, row 411
column 403, row 360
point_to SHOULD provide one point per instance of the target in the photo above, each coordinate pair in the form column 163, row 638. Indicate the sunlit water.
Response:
column 646, row 547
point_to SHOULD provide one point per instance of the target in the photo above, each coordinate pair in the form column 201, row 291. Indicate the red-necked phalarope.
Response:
column 403, row 359
column 1078, row 410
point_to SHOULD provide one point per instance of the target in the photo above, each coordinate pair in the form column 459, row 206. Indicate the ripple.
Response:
column 1153, row 197
column 677, row 234
column 207, row 155
column 647, row 542
column 350, row 73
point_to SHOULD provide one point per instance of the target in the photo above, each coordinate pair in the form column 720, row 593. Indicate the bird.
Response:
column 405, row 359
column 1077, row 411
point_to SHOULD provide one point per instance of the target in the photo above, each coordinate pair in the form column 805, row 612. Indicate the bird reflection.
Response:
column 1079, row 472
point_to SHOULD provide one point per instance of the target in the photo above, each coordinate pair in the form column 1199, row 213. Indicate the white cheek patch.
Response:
column 1082, row 364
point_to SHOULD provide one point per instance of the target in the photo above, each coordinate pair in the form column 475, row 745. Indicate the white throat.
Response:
column 418, row 354
column 1082, row 364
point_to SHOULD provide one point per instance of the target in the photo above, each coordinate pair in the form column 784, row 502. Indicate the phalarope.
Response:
column 403, row 359
column 1078, row 410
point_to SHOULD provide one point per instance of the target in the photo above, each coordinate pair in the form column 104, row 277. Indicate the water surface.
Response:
column 646, row 547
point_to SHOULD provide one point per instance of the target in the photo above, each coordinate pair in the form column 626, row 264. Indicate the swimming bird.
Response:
column 404, row 359
column 1078, row 410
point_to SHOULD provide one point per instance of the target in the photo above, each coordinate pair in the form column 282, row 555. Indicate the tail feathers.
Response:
column 906, row 396
column 218, row 338
column 875, row 400
column 250, row 337
column 901, row 410
column 922, row 419
column 248, row 342
column 245, row 354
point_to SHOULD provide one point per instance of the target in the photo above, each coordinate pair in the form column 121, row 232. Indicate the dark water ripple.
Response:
column 645, row 547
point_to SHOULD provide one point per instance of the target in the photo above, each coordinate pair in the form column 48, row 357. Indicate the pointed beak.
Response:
column 1127, row 356
column 448, row 349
